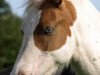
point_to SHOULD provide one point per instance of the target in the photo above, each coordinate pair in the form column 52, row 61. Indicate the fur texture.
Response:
column 82, row 50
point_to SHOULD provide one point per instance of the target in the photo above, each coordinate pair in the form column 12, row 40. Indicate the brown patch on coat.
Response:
column 60, row 19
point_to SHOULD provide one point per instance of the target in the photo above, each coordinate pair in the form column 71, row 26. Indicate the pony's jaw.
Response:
column 31, row 61
column 35, row 62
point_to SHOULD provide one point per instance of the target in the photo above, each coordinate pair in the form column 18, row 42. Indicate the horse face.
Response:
column 53, row 29
column 47, row 38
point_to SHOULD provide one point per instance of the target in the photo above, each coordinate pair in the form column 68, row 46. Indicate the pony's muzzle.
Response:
column 40, row 65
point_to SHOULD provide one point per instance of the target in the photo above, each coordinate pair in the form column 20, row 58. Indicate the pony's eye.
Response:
column 48, row 30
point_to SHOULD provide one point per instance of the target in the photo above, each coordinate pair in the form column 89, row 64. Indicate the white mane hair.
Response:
column 35, row 3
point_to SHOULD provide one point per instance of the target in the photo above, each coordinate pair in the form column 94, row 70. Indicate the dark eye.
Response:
column 48, row 30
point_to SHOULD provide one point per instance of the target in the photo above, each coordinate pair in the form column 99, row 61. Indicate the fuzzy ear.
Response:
column 57, row 3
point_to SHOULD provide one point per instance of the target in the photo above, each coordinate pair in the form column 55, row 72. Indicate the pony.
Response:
column 57, row 33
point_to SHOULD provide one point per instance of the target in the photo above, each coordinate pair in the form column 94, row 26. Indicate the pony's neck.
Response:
column 86, row 11
column 86, row 25
column 84, row 5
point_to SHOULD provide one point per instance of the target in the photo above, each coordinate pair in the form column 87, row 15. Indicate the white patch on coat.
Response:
column 64, row 54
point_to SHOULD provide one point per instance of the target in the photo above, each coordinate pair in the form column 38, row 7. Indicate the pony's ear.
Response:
column 57, row 3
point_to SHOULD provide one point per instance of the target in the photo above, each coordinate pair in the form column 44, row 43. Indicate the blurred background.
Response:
column 10, row 35
column 11, row 12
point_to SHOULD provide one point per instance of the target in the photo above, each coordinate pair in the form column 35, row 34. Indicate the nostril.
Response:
column 24, row 73
column 21, row 73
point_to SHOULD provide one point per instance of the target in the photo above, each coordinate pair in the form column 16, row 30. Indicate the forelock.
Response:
column 35, row 3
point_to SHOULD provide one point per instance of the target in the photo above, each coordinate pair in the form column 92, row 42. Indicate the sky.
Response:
column 18, row 6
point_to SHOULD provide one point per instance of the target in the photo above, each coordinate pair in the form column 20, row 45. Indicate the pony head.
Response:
column 48, row 40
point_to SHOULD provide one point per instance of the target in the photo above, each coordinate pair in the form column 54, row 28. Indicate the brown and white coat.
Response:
column 59, row 32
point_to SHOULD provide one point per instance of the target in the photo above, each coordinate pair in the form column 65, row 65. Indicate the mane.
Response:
column 35, row 3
